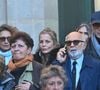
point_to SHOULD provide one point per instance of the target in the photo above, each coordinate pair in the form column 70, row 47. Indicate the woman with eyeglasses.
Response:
column 6, row 32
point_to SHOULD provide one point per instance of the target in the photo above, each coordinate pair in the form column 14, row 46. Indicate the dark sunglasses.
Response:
column 75, row 42
column 5, row 38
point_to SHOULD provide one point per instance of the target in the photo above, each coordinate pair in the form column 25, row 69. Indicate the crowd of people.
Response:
column 75, row 66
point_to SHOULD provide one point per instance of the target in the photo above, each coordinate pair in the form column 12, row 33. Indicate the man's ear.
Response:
column 29, row 50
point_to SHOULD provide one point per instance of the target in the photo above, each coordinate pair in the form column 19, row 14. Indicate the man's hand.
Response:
column 61, row 55
column 25, row 85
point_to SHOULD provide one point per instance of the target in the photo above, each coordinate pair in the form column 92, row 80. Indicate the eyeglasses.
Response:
column 75, row 42
column 5, row 38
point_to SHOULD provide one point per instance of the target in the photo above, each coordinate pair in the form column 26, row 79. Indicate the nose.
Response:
column 16, row 48
column 43, row 43
column 56, row 87
column 6, row 40
column 72, row 44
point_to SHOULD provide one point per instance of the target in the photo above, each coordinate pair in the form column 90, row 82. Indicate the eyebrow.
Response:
column 83, row 32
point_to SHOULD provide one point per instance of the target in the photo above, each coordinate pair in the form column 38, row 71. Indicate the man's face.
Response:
column 96, row 29
column 75, row 44
column 5, row 36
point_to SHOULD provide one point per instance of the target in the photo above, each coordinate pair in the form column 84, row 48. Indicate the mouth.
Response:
column 16, row 53
column 73, row 50
column 44, row 49
column 6, row 44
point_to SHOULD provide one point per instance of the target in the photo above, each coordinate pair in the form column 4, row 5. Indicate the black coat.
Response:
column 90, row 50
column 51, row 56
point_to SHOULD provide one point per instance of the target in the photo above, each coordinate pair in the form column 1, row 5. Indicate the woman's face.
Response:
column 46, row 43
column 19, row 49
column 55, row 83
column 5, row 36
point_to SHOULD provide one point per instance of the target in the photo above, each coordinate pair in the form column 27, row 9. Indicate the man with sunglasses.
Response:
column 93, row 47
column 83, row 71
column 6, row 31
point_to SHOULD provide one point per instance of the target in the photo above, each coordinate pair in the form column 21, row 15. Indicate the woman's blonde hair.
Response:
column 52, row 71
column 52, row 34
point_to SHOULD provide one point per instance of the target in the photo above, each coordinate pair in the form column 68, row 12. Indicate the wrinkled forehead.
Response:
column 73, row 36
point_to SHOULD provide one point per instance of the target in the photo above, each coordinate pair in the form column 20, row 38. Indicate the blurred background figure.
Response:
column 53, row 78
column 85, row 29
column 93, row 48
column 21, row 65
column 6, row 79
column 6, row 32
column 48, row 47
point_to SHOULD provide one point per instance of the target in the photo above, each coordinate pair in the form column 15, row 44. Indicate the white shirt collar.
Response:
column 79, row 61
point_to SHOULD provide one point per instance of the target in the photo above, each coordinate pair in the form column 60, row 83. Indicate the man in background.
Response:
column 93, row 46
